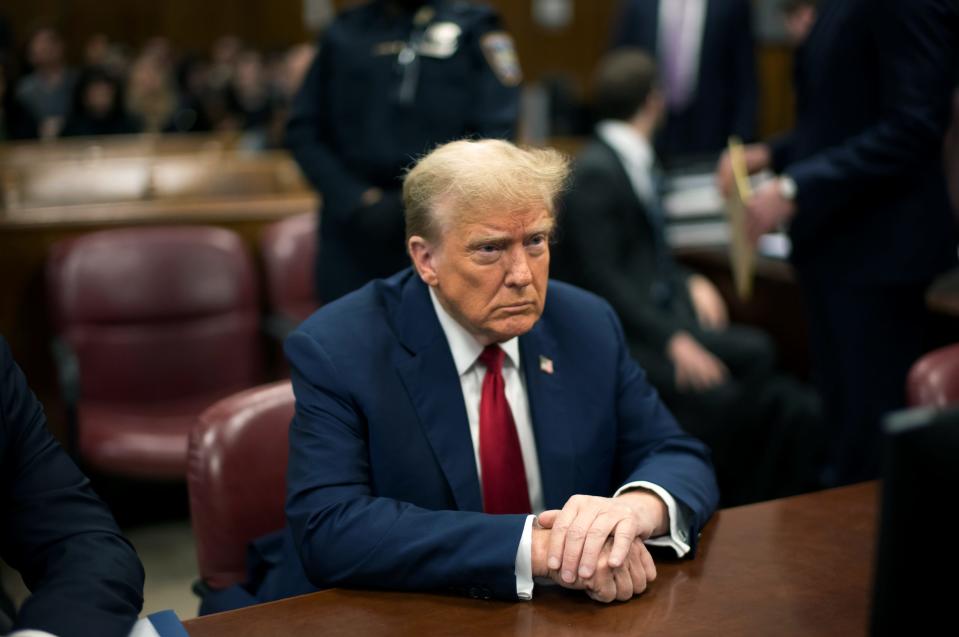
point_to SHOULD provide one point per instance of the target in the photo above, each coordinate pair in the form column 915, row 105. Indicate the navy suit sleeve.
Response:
column 653, row 448
column 916, row 44
column 348, row 536
column 308, row 136
column 84, row 577
column 625, row 26
column 744, row 83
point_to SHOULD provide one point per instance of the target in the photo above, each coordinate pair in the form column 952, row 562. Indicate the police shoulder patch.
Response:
column 501, row 55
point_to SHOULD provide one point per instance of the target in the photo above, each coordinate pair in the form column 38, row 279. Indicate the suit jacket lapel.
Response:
column 432, row 383
column 548, row 408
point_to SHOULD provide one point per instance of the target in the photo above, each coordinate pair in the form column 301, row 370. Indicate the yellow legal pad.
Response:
column 742, row 252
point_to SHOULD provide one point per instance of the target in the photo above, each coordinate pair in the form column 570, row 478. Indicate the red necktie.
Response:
column 501, row 461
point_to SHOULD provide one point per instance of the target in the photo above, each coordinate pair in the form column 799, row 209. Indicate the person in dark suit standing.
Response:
column 719, row 379
column 83, row 575
column 392, row 79
column 862, row 192
column 438, row 409
column 706, row 53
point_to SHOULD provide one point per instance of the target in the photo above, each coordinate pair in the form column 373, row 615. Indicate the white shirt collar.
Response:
column 463, row 345
column 634, row 149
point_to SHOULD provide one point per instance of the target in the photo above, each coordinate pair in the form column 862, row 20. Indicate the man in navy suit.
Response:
column 437, row 410
column 84, row 577
column 707, row 55
column 861, row 188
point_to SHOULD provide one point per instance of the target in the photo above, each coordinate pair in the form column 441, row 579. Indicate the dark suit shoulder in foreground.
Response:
column 85, row 578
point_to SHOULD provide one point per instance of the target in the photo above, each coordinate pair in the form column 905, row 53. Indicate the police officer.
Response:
column 393, row 78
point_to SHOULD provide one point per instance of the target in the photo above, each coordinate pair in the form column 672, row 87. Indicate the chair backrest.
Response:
column 289, row 254
column 157, row 313
column 934, row 379
column 236, row 477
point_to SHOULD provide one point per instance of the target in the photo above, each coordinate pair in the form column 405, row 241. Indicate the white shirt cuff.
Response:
column 678, row 538
column 524, row 562
column 30, row 632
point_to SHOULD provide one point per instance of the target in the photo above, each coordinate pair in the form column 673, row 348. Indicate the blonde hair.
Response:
column 472, row 177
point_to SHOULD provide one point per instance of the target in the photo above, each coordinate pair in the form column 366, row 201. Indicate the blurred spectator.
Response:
column 799, row 16
column 96, row 51
column 287, row 71
column 150, row 93
column 224, row 53
column 860, row 189
column 707, row 55
column 98, row 107
column 718, row 378
column 15, row 121
column 47, row 92
column 249, row 99
column 295, row 63
column 193, row 102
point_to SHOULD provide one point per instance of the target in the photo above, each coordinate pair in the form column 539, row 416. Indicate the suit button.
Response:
column 475, row 592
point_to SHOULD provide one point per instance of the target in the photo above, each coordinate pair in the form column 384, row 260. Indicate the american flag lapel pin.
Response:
column 545, row 364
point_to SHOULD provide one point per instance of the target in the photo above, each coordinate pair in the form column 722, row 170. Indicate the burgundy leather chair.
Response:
column 157, row 323
column 934, row 379
column 289, row 254
column 237, row 478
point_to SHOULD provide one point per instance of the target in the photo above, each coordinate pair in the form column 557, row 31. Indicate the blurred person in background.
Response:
column 799, row 16
column 150, row 95
column 705, row 50
column 16, row 122
column 286, row 73
column 860, row 188
column 392, row 79
column 96, row 51
column 47, row 92
column 193, row 96
column 98, row 107
column 719, row 379
column 102, row 53
column 223, row 58
column 250, row 100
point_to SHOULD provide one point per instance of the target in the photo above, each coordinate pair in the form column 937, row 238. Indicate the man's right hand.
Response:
column 758, row 157
column 696, row 367
column 606, row 584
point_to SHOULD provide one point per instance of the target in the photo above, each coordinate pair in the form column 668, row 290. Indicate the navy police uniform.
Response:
column 392, row 80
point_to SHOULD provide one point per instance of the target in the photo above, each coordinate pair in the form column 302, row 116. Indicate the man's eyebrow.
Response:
column 486, row 239
column 545, row 227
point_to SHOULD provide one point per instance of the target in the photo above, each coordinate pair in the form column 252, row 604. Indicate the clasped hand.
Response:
column 596, row 544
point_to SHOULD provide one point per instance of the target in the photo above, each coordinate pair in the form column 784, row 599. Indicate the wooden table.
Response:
column 796, row 566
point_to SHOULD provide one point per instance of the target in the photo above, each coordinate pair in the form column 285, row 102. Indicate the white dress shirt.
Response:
column 466, row 350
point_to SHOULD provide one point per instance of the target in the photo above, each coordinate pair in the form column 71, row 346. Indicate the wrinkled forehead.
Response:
column 458, row 217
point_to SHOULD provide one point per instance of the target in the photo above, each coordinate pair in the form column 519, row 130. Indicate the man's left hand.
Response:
column 708, row 302
column 766, row 210
column 580, row 530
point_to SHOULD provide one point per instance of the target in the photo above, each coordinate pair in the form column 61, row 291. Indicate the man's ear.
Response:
column 423, row 253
